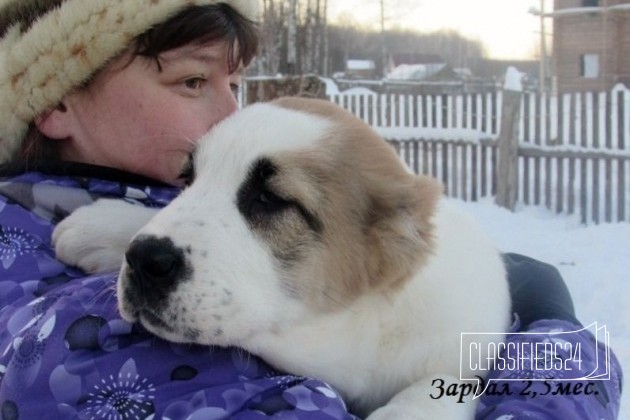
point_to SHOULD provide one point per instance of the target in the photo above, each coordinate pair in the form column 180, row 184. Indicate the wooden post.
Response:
column 263, row 89
column 507, row 171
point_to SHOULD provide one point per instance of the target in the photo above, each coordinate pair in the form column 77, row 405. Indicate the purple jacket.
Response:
column 66, row 354
column 555, row 353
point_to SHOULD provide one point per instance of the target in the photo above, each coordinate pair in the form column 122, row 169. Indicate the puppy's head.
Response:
column 295, row 208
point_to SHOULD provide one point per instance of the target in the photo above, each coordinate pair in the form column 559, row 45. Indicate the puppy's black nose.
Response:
column 156, row 265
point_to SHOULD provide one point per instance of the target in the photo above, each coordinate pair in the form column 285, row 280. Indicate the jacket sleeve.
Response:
column 68, row 355
column 551, row 367
column 556, row 370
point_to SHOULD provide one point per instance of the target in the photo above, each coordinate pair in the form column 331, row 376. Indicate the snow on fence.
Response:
column 476, row 113
column 573, row 150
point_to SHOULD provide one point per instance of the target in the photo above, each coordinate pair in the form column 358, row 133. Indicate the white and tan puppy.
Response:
column 303, row 239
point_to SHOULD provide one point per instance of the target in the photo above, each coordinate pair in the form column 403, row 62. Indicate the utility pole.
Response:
column 543, row 49
column 542, row 86
column 325, row 64
column 383, row 49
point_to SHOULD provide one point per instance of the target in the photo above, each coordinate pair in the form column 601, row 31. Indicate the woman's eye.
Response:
column 194, row 82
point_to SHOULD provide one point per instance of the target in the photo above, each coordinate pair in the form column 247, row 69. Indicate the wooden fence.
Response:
column 477, row 112
column 573, row 151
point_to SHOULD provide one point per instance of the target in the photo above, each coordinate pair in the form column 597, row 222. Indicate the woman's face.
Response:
column 145, row 120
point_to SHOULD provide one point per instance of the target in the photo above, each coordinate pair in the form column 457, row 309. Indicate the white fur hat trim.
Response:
column 65, row 47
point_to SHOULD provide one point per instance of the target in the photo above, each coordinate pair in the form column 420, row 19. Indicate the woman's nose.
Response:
column 227, row 105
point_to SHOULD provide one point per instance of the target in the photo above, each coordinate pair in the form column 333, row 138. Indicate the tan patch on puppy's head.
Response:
column 375, row 215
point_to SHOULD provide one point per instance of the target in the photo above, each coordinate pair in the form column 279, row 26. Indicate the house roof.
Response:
column 416, row 58
column 571, row 11
column 360, row 64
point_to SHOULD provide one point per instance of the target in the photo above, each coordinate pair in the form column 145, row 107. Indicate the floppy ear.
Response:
column 400, row 232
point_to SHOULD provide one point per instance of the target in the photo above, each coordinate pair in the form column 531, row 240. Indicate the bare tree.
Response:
column 272, row 31
column 307, row 51
column 317, row 39
column 297, row 39
column 292, row 38
column 325, row 69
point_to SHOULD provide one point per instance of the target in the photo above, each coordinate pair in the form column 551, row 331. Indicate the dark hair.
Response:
column 202, row 25
column 193, row 25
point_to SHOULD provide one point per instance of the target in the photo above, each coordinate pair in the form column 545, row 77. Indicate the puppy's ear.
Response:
column 400, row 230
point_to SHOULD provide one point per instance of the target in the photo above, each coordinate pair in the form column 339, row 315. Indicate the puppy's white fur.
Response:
column 372, row 298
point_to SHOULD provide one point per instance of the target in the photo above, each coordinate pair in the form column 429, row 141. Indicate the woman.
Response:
column 105, row 98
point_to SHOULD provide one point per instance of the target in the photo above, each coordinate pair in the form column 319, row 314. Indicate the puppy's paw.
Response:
column 95, row 237
column 416, row 403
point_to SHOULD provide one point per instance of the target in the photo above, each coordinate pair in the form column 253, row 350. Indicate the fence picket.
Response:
column 438, row 112
column 603, row 140
column 589, row 110
column 459, row 112
column 553, row 121
column 623, row 203
column 469, row 111
column 560, row 187
column 566, row 120
column 542, row 121
column 625, row 112
column 530, row 131
column 478, row 112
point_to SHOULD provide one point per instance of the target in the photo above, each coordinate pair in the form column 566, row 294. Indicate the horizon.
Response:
column 506, row 29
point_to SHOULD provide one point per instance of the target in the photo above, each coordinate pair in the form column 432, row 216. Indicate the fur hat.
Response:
column 49, row 47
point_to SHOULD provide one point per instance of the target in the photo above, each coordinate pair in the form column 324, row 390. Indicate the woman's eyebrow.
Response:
column 196, row 54
column 205, row 57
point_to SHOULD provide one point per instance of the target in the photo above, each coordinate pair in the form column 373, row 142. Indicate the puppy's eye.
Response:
column 187, row 174
column 268, row 202
column 257, row 197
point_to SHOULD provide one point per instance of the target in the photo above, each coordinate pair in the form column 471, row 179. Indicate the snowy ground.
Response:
column 594, row 261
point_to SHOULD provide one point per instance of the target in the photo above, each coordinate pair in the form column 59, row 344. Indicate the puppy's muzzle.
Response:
column 155, row 267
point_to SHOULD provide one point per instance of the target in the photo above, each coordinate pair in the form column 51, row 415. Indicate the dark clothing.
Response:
column 538, row 291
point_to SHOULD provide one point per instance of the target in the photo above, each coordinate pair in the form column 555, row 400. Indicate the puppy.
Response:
column 303, row 239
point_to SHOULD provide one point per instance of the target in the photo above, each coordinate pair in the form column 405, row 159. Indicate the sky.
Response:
column 505, row 27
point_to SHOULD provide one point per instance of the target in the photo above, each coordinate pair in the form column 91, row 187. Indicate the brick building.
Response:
column 591, row 44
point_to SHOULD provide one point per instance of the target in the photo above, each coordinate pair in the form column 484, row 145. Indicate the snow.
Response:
column 331, row 86
column 332, row 89
column 359, row 91
column 513, row 80
column 592, row 259
column 404, row 133
column 415, row 71
column 360, row 65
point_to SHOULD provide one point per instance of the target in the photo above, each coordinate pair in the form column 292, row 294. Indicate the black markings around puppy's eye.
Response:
column 258, row 201
column 255, row 197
